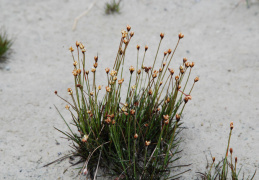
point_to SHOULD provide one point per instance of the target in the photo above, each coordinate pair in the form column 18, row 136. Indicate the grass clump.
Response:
column 5, row 44
column 112, row 7
column 225, row 169
column 131, row 137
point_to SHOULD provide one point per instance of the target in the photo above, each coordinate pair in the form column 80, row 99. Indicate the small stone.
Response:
column 59, row 153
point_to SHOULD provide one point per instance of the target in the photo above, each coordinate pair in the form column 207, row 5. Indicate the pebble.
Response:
column 59, row 153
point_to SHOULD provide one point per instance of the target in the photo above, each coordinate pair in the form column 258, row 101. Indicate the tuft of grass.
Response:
column 134, row 136
column 5, row 44
column 225, row 169
column 112, row 7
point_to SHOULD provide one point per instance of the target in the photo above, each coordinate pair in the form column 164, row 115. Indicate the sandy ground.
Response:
column 220, row 38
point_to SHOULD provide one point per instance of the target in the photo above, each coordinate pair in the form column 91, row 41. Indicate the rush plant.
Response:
column 131, row 137
column 5, row 43
column 226, row 168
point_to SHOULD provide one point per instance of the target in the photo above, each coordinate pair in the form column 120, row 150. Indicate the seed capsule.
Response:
column 136, row 136
column 93, row 70
column 146, row 48
column 71, row 49
column 131, row 34
column 92, row 93
column 128, row 27
column 192, row 64
column 169, row 51
column 108, row 89
column 180, row 35
column 132, row 111
column 107, row 70
column 67, row 107
column 85, row 138
column 178, row 117
column 96, row 58
column 186, row 99
column 138, row 46
column 147, row 143
column 77, row 43
column 56, row 92
column 150, row 92
column 231, row 125
column 213, row 159
column 184, row 59
column 176, row 78
column 196, row 79
column 131, row 69
column 166, row 117
column 162, row 35
column 165, row 53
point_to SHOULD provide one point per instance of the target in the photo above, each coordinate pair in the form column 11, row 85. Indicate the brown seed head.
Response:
column 192, row 64
column 93, row 70
column 132, row 111
column 178, row 117
column 69, row 90
column 162, row 35
column 147, row 143
column 128, row 27
column 81, row 46
column 78, row 71
column 139, row 71
column 131, row 34
column 231, row 150
column 235, row 159
column 83, row 50
column 165, row 53
column 91, row 93
column 71, row 49
column 176, row 78
column 186, row 99
column 136, row 136
column 187, row 64
column 164, row 63
column 77, row 43
column 125, row 41
column 95, row 64
column 171, row 71
column 182, row 71
column 88, row 112
column 56, row 92
column 74, row 72
column 184, row 60
column 78, row 85
column 213, row 159
column 99, row 87
column 146, row 48
column 108, row 120
column 84, row 138
column 189, row 97
column 231, row 125
column 115, row 78
column 169, row 51
column 131, row 69
column 107, row 70
column 113, row 73
column 160, row 69
column 120, row 81
column 95, row 58
column 179, row 87
column 196, row 79
column 150, row 92
column 166, row 117
column 180, row 35
column 67, row 107
column 86, row 72
column 154, row 75
column 138, row 46
column 108, row 89
column 75, row 63
column 161, row 82
column 166, row 122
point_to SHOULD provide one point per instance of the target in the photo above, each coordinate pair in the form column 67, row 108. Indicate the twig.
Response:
column 83, row 14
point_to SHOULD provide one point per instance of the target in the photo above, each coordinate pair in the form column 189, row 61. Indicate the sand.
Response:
column 220, row 38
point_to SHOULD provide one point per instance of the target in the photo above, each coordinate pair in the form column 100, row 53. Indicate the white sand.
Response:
column 222, row 40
